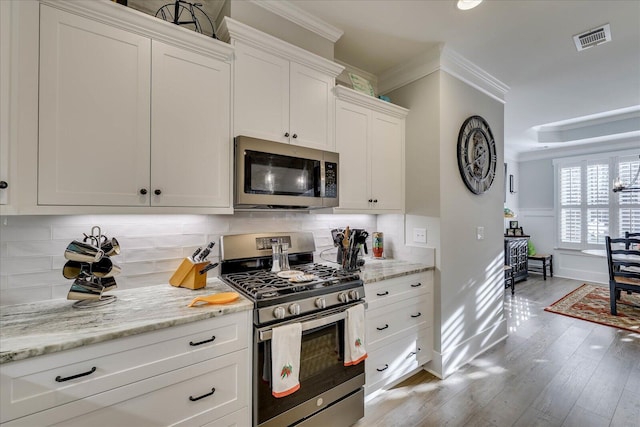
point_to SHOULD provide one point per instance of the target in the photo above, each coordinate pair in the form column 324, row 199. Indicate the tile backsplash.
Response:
column 32, row 247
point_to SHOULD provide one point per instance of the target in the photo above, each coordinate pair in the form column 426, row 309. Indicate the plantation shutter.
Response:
column 597, row 191
column 570, row 201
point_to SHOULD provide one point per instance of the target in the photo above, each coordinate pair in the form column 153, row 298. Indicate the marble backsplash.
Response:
column 32, row 247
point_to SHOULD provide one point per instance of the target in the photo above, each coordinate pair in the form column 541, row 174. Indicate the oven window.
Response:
column 282, row 175
column 321, row 369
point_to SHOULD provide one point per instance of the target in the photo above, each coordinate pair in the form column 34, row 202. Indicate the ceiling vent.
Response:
column 592, row 37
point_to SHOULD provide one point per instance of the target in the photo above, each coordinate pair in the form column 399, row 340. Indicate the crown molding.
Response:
column 132, row 20
column 441, row 58
column 293, row 13
column 370, row 102
column 234, row 31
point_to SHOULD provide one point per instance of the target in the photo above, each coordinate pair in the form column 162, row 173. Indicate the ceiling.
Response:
column 527, row 45
column 558, row 97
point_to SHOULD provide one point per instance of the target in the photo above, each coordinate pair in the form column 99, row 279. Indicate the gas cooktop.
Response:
column 264, row 284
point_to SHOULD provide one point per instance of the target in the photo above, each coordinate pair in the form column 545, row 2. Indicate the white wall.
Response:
column 469, row 285
column 32, row 247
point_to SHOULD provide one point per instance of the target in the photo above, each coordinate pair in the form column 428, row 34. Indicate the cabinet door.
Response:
column 352, row 134
column 312, row 106
column 190, row 129
column 5, row 97
column 387, row 154
column 94, row 112
column 261, row 94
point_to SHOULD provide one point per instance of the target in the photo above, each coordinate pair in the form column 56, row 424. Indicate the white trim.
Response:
column 368, row 101
column 577, row 150
column 293, row 13
column 132, row 20
column 234, row 31
column 444, row 363
column 442, row 58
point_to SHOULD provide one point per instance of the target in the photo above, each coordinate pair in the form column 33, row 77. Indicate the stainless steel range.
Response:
column 315, row 295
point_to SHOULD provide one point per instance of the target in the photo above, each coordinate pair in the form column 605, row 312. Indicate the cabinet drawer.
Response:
column 237, row 419
column 395, row 319
column 391, row 362
column 181, row 397
column 54, row 379
column 380, row 294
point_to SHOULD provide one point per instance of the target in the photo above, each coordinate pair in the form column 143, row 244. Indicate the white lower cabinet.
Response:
column 399, row 328
column 192, row 374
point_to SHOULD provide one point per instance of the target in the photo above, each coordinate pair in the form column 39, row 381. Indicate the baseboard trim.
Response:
column 446, row 363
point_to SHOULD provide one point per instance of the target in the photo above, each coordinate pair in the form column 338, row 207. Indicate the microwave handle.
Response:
column 311, row 324
column 323, row 178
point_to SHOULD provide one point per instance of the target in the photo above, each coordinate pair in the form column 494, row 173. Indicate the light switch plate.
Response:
column 480, row 233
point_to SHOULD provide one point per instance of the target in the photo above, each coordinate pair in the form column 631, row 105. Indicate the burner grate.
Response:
column 262, row 284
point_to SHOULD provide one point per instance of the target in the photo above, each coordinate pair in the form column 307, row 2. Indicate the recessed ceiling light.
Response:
column 468, row 4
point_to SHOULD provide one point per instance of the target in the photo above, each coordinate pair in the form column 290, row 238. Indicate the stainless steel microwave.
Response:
column 273, row 175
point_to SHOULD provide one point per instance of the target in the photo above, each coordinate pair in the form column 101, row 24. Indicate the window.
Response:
column 587, row 208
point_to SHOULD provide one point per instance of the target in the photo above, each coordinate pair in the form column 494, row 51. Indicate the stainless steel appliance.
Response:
column 330, row 393
column 272, row 175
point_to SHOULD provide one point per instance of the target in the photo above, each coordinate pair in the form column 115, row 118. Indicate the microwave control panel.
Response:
column 331, row 180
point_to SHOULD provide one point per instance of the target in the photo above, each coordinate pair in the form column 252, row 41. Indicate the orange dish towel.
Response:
column 285, row 359
column 354, row 351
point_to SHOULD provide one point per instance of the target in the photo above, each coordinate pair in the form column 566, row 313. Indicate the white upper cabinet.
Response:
column 281, row 92
column 5, row 98
column 126, row 120
column 190, row 123
column 370, row 140
column 94, row 112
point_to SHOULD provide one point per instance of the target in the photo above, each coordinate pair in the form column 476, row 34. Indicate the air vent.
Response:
column 592, row 37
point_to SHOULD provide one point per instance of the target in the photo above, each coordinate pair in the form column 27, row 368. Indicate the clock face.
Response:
column 477, row 154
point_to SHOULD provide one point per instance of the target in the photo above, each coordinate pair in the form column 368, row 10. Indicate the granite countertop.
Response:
column 375, row 270
column 28, row 330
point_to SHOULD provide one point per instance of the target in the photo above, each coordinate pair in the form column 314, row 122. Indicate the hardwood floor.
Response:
column 553, row 370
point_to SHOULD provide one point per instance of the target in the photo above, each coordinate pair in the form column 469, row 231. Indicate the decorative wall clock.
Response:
column 477, row 154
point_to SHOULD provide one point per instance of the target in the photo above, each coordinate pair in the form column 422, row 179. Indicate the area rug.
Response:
column 591, row 303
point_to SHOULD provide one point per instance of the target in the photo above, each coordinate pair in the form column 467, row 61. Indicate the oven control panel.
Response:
column 308, row 305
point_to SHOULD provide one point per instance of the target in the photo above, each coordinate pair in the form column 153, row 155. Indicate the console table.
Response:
column 516, row 256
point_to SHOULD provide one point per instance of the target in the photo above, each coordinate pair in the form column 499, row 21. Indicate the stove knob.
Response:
column 279, row 312
column 343, row 297
column 321, row 303
column 294, row 309
column 354, row 295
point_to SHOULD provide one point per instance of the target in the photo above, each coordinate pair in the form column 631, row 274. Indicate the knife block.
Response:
column 188, row 275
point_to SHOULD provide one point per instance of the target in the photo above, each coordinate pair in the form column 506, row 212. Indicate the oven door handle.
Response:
column 310, row 324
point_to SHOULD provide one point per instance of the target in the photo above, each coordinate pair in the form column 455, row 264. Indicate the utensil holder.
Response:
column 188, row 275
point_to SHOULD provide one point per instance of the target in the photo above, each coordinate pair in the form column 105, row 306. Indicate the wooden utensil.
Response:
column 221, row 298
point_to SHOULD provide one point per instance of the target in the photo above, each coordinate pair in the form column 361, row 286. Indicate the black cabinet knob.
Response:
column 157, row 192
column 3, row 184
column 375, row 200
column 143, row 191
column 286, row 134
column 295, row 135
column 370, row 200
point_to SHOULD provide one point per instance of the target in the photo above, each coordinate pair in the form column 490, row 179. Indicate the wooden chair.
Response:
column 624, row 268
column 546, row 260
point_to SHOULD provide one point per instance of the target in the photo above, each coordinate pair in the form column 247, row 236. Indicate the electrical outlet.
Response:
column 420, row 235
column 480, row 233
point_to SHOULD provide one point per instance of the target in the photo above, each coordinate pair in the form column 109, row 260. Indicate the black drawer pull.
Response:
column 383, row 369
column 386, row 325
column 193, row 399
column 383, row 294
column 202, row 342
column 73, row 377
column 413, row 353
column 416, row 285
column 416, row 315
